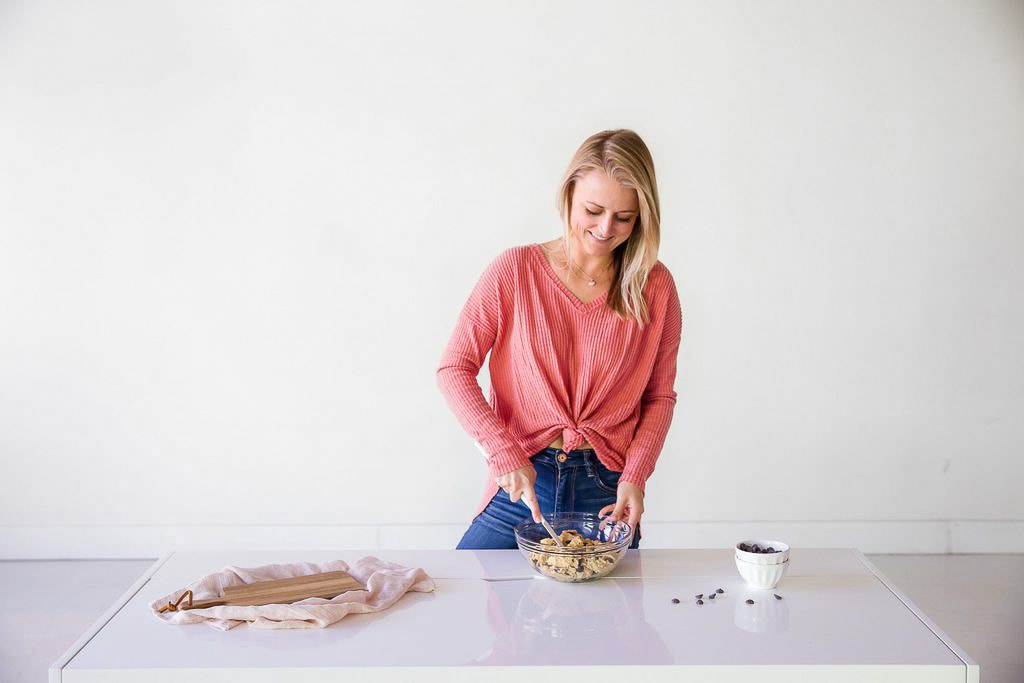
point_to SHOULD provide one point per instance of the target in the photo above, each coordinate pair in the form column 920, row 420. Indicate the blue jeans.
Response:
column 579, row 484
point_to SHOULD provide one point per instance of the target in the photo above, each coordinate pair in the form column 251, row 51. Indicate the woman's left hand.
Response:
column 629, row 504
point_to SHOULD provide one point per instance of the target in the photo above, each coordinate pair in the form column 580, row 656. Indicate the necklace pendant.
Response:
column 592, row 283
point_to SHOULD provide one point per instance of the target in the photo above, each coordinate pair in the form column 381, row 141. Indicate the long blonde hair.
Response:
column 623, row 156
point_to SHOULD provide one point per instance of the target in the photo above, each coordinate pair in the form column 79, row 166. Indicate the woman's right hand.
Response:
column 519, row 484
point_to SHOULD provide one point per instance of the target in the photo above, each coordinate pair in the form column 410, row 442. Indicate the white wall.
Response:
column 234, row 238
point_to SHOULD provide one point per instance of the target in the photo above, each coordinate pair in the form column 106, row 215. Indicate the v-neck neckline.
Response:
column 568, row 293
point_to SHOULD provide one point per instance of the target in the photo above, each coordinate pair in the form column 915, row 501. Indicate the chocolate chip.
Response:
column 699, row 596
column 675, row 601
column 777, row 596
column 712, row 596
column 700, row 602
column 757, row 548
column 719, row 591
column 750, row 602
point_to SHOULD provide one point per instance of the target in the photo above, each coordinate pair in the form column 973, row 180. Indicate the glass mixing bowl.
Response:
column 593, row 547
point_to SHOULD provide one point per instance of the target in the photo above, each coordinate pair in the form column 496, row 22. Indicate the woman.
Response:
column 583, row 333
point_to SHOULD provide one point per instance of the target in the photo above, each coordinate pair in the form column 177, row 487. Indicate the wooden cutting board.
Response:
column 278, row 591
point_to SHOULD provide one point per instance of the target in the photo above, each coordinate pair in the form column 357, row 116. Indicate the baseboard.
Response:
column 137, row 541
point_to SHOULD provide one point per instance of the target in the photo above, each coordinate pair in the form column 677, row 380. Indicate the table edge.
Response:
column 971, row 665
column 57, row 667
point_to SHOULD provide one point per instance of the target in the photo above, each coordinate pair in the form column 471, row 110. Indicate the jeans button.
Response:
column 562, row 457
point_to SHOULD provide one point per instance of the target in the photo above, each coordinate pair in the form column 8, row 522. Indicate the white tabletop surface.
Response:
column 837, row 620
column 509, row 564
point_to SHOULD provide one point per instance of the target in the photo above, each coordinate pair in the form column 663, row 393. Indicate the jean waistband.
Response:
column 576, row 458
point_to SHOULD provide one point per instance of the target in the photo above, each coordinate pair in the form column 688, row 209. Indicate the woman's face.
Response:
column 603, row 213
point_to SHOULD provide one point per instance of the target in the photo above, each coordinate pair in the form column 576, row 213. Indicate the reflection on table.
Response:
column 548, row 622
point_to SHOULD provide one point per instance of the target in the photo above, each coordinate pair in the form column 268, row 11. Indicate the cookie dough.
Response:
column 583, row 561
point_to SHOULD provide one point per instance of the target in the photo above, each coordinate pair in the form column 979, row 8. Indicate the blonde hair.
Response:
column 624, row 157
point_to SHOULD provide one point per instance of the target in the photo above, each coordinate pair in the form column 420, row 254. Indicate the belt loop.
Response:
column 588, row 463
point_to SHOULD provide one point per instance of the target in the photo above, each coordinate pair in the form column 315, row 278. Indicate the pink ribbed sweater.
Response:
column 562, row 367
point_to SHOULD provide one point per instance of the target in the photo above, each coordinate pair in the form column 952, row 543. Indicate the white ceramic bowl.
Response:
column 761, row 576
column 780, row 555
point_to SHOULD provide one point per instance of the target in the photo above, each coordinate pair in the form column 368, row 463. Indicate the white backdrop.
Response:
column 234, row 238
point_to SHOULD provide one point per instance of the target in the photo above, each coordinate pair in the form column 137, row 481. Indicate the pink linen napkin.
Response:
column 385, row 583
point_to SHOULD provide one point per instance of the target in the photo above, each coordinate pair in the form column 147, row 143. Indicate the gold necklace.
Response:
column 591, row 280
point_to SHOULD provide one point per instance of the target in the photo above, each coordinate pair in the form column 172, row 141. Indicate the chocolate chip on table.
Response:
column 700, row 602
column 749, row 601
column 711, row 596
column 719, row 590
column 699, row 596
column 777, row 596
column 675, row 601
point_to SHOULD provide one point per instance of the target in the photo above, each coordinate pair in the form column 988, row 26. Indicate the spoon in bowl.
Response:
column 547, row 527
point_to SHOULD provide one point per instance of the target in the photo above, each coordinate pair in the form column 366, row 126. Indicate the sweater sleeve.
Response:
column 474, row 335
column 659, row 397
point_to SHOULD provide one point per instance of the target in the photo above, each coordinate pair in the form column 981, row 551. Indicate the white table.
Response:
column 491, row 616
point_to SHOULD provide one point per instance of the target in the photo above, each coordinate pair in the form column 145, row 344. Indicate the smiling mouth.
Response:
column 599, row 239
